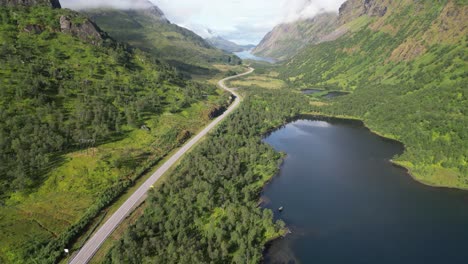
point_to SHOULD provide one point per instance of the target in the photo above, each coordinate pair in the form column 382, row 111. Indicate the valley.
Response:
column 118, row 145
column 92, row 245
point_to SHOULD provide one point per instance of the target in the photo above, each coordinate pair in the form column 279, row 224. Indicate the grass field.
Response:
column 265, row 80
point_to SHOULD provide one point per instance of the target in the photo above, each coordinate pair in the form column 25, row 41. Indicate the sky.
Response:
column 241, row 21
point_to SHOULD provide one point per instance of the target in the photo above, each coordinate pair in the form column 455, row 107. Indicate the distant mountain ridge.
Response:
column 228, row 46
column 287, row 39
column 149, row 29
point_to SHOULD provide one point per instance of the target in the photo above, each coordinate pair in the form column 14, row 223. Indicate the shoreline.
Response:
column 320, row 116
column 412, row 175
column 409, row 171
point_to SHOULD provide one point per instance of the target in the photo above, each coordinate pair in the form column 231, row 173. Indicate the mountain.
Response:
column 406, row 64
column 287, row 39
column 228, row 46
column 49, row 3
column 81, row 118
column 148, row 29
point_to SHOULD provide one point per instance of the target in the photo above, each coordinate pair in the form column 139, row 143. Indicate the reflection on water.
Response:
column 346, row 203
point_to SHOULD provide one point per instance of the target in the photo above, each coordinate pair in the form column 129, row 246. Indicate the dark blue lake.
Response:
column 346, row 203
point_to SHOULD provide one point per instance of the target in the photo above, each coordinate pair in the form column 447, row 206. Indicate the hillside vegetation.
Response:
column 406, row 64
column 207, row 210
column 149, row 30
column 82, row 119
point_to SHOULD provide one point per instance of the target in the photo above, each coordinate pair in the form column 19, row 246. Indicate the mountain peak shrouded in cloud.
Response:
column 305, row 9
column 241, row 21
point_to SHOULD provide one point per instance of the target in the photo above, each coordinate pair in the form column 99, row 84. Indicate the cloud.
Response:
column 303, row 9
column 118, row 4
column 243, row 21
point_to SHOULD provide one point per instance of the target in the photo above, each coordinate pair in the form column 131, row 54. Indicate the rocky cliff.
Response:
column 71, row 23
column 285, row 40
column 352, row 9
column 86, row 30
column 51, row 3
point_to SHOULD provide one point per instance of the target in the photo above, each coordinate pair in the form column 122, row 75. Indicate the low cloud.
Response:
column 118, row 4
column 243, row 21
column 303, row 9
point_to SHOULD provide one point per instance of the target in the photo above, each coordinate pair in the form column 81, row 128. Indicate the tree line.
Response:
column 207, row 210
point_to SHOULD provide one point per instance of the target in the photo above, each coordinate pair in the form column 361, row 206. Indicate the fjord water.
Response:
column 247, row 55
column 346, row 203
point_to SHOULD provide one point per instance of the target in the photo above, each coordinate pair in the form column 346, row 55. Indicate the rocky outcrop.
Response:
column 50, row 3
column 34, row 29
column 86, row 31
column 353, row 9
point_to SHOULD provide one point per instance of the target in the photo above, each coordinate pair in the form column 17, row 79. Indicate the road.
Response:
column 94, row 243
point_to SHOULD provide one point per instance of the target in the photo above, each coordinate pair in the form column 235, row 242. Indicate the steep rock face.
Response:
column 51, row 3
column 285, row 40
column 352, row 9
column 86, row 31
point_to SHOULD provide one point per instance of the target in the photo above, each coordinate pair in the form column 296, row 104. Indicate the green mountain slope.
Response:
column 286, row 40
column 148, row 30
column 82, row 117
column 406, row 64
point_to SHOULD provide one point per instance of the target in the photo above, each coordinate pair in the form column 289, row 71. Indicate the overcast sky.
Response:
column 242, row 21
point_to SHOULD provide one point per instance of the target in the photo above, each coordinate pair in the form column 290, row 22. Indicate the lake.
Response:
column 247, row 55
column 345, row 202
column 312, row 91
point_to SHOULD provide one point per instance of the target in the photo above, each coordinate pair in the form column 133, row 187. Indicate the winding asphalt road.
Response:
column 94, row 243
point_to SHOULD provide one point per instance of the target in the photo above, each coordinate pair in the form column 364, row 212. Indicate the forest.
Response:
column 59, row 94
column 61, row 97
column 207, row 210
column 79, row 124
